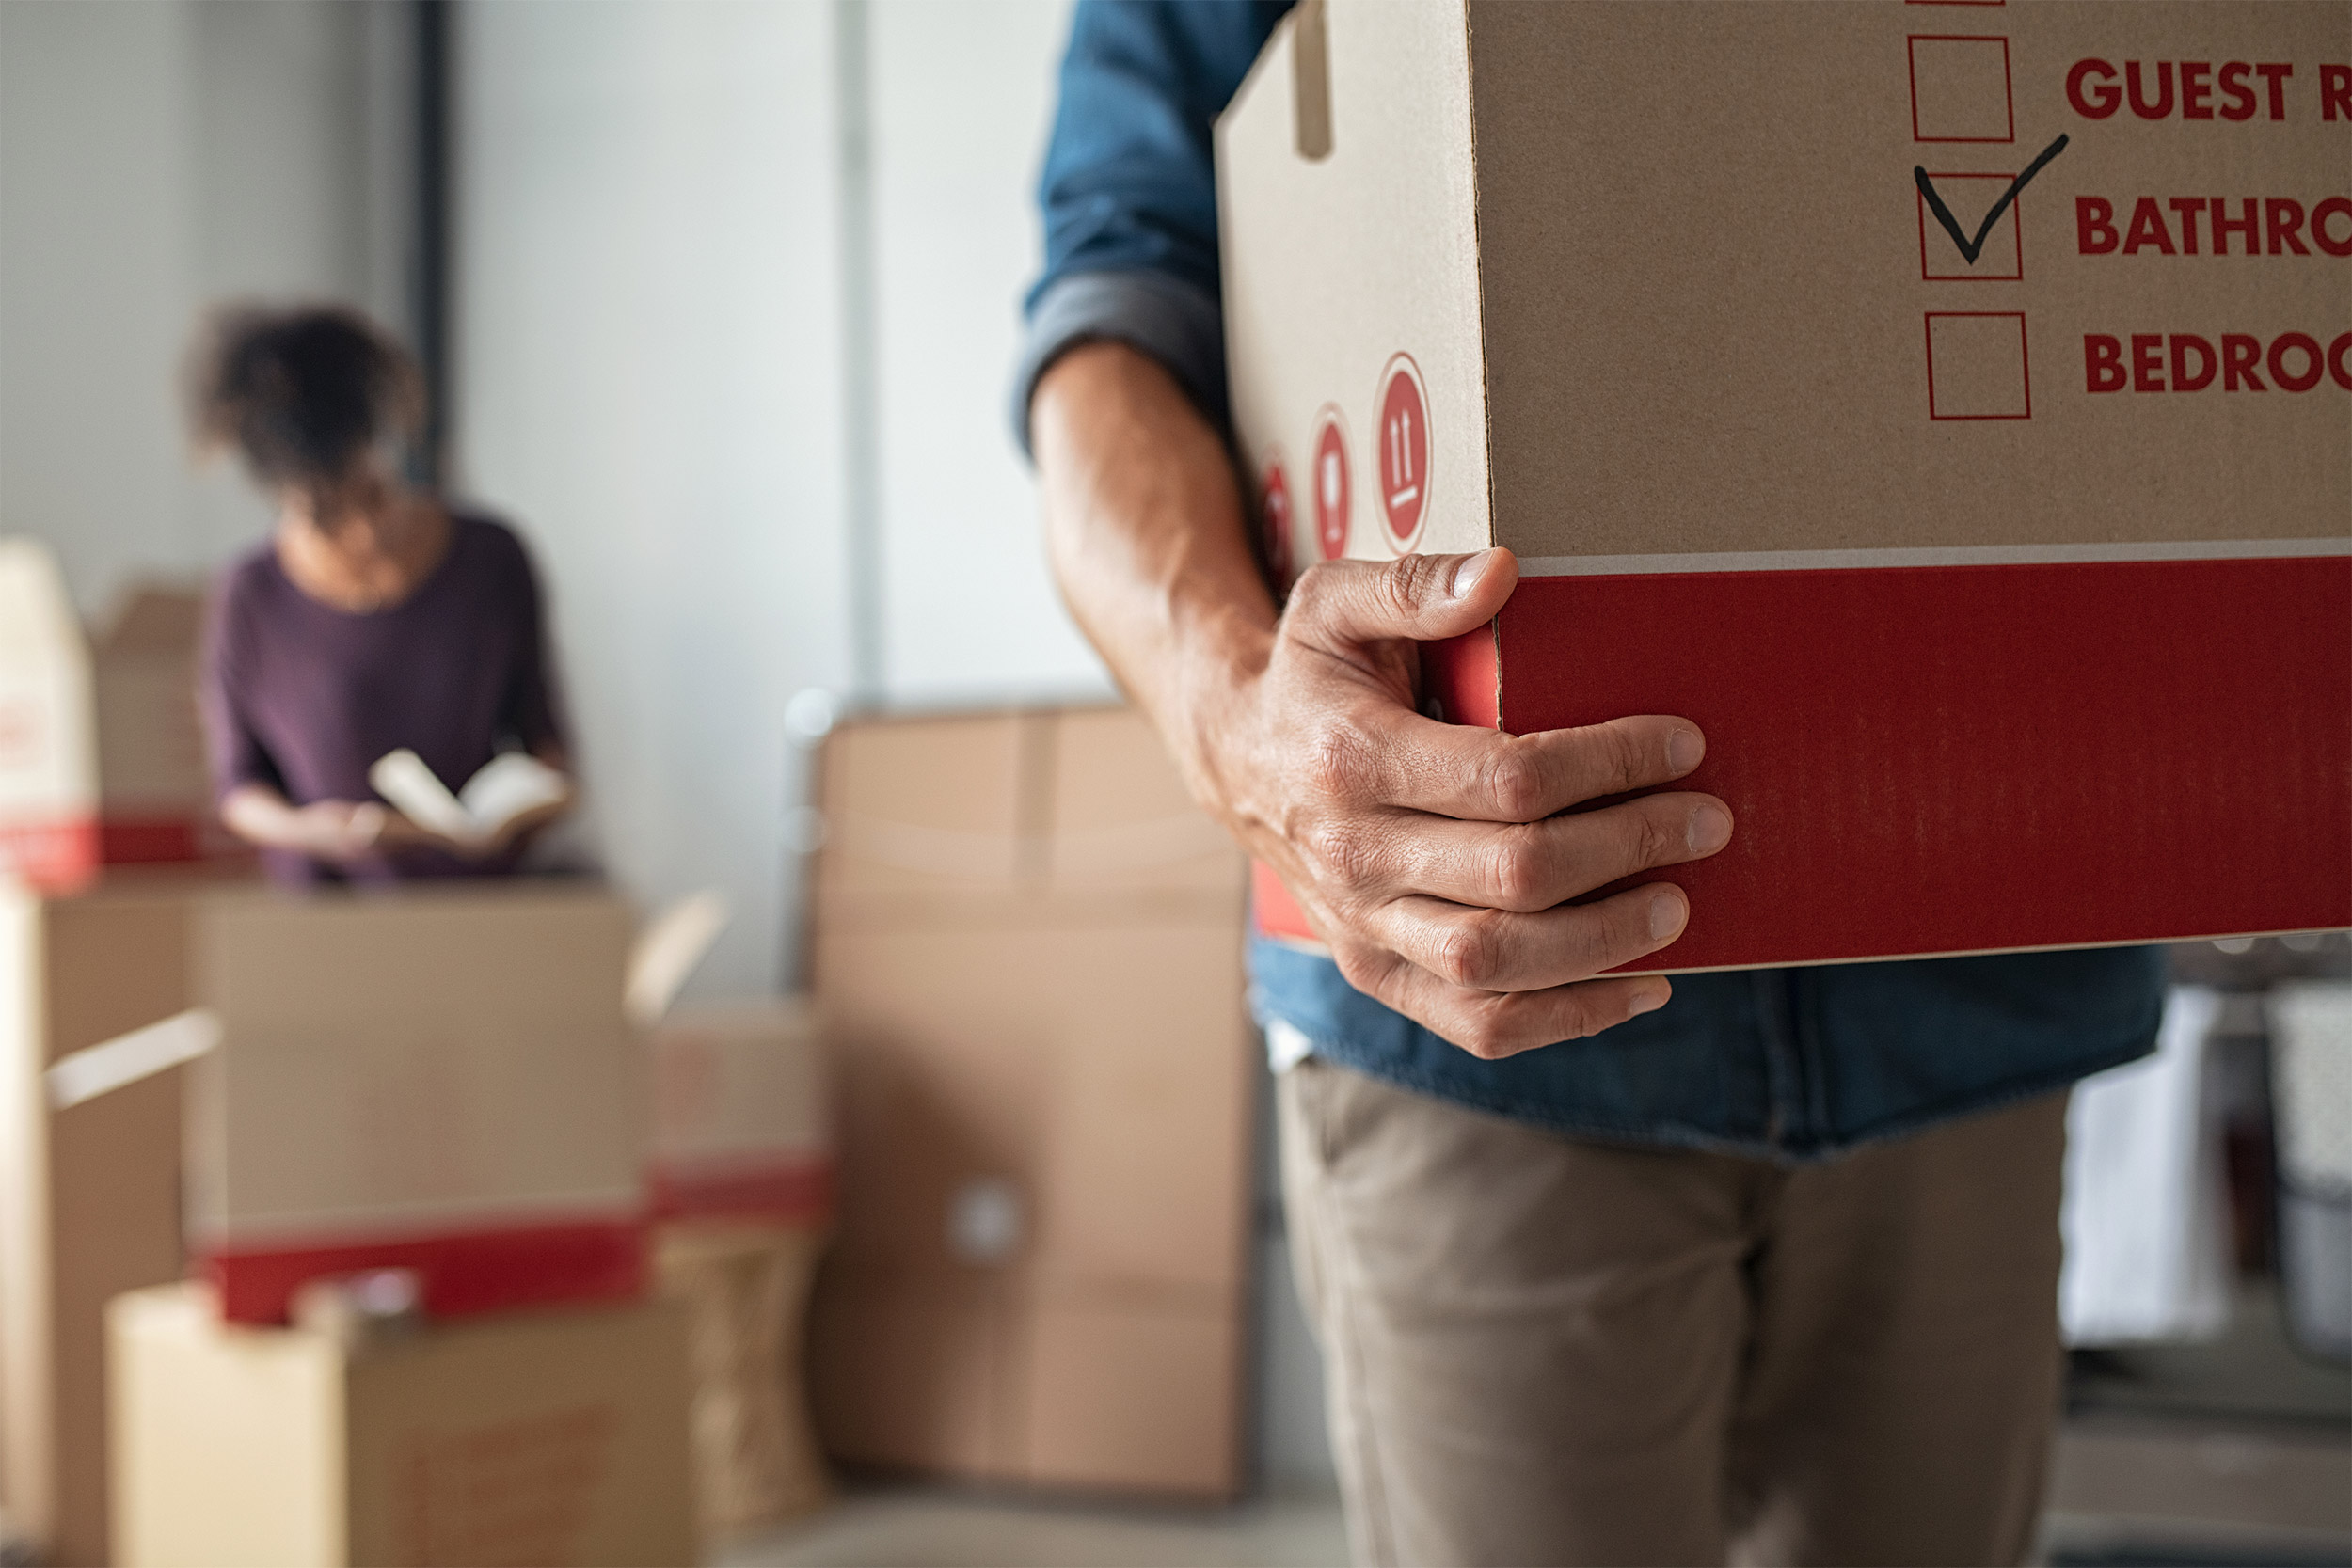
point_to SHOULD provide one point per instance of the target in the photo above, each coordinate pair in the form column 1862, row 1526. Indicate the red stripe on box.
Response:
column 462, row 1273
column 148, row 840
column 798, row 1190
column 1955, row 759
column 56, row 854
column 1970, row 758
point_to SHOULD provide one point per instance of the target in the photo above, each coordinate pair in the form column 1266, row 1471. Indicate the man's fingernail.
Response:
column 1646, row 1001
column 1710, row 829
column 1466, row 574
column 1665, row 916
column 1684, row 748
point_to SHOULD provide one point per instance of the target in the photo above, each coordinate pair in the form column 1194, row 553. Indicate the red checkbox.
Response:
column 1969, row 197
column 1976, row 366
column 1960, row 89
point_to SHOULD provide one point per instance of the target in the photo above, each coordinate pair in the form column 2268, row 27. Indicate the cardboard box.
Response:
column 745, row 1287
column 90, row 1195
column 48, row 747
column 155, row 796
column 540, row 1437
column 439, row 1080
column 743, row 1115
column 1028, row 950
column 2014, row 616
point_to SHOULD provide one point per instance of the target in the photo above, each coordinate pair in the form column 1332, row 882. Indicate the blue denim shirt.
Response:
column 1793, row 1064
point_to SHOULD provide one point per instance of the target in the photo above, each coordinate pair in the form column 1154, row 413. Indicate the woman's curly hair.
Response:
column 301, row 392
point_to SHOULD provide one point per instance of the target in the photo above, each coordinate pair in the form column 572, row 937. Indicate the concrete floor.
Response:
column 927, row 1527
column 2126, row 1492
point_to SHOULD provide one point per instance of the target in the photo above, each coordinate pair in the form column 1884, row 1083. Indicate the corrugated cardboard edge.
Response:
column 1485, row 357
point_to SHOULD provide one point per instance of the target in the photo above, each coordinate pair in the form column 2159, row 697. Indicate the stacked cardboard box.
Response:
column 441, row 1081
column 48, row 741
column 531, row 1438
column 90, row 1195
column 1028, row 949
column 742, row 1190
column 100, row 759
column 743, row 1115
column 154, row 795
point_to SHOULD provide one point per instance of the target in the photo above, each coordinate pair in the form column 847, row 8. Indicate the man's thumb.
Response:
column 1422, row 597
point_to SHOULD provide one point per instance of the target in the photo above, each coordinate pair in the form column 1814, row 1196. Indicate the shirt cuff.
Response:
column 1174, row 321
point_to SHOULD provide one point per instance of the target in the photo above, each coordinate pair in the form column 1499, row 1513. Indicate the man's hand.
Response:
column 1427, row 855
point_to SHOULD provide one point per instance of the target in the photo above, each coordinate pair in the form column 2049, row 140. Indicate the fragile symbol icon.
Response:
column 1330, row 486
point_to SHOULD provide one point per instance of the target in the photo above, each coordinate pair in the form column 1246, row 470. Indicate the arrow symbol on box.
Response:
column 1972, row 248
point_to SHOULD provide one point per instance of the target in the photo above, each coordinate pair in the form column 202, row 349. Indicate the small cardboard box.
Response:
column 743, row 1115
column 101, row 761
column 440, row 1081
column 1028, row 951
column 48, row 745
column 2007, row 562
column 155, row 797
column 539, row 1437
column 90, row 1195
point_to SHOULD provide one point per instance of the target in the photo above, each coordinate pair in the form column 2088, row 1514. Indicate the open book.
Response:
column 508, row 786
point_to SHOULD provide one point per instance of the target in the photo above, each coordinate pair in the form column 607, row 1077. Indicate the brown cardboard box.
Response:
column 439, row 1080
column 1944, row 534
column 540, row 1437
column 1028, row 948
column 90, row 1195
column 745, row 1286
column 742, row 1114
column 48, row 747
column 155, row 799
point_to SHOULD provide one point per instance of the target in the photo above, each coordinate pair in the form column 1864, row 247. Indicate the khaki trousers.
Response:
column 1541, row 1351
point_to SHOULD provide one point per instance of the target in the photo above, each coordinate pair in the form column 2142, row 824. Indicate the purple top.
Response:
column 302, row 698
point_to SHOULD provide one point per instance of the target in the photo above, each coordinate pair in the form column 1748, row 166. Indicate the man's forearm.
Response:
column 1144, row 525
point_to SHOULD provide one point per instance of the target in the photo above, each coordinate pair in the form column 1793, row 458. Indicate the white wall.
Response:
column 156, row 156
column 963, row 96
column 647, row 384
column 651, row 384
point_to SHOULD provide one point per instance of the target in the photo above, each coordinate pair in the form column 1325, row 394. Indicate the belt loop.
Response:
column 1786, row 1124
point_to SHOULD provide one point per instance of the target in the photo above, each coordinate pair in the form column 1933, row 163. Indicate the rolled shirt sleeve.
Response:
column 1129, row 189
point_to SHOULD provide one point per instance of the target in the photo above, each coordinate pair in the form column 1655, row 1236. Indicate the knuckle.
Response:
column 1514, row 785
column 1515, row 872
column 1469, row 952
column 1657, row 839
column 1622, row 757
column 1340, row 762
column 1311, row 595
column 1487, row 1034
column 1413, row 580
column 1343, row 849
column 1363, row 966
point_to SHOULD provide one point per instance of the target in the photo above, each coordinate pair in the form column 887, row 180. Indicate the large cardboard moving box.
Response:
column 1028, row 950
column 441, row 1080
column 538, row 1437
column 2006, row 562
column 90, row 1195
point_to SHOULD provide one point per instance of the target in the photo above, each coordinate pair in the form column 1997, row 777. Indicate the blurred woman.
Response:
column 376, row 618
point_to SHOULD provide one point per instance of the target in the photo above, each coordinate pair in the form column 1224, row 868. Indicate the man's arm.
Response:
column 1427, row 855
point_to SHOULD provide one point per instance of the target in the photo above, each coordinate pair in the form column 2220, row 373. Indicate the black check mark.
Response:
column 1972, row 248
